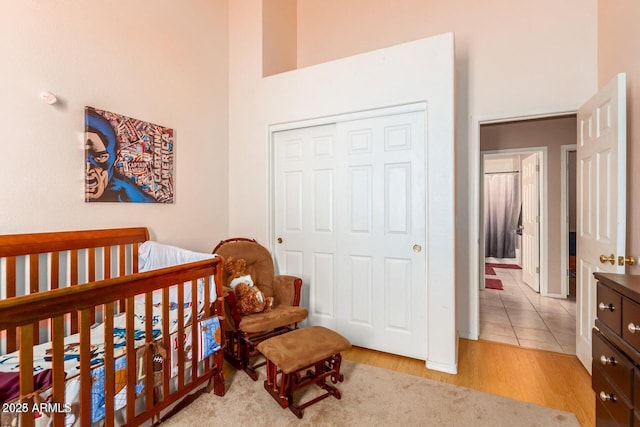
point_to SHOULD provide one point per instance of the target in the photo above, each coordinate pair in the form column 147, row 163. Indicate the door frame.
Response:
column 476, row 269
column 564, row 213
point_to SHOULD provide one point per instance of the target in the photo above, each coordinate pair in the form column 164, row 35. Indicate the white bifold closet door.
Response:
column 350, row 219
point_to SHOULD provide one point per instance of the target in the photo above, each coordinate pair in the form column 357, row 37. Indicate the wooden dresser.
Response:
column 616, row 350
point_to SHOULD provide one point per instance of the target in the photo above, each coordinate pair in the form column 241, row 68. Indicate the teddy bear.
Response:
column 236, row 272
column 249, row 298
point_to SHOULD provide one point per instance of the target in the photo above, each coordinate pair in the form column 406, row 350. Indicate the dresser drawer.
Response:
column 616, row 406
column 609, row 305
column 613, row 363
column 630, row 321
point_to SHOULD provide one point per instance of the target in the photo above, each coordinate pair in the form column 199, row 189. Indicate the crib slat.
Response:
column 54, row 280
column 73, row 281
column 131, row 360
column 109, row 375
column 134, row 261
column 181, row 337
column 34, row 270
column 122, row 272
column 26, row 371
column 148, row 354
column 195, row 332
column 92, row 277
column 106, row 256
column 57, row 349
column 34, row 288
column 122, row 259
column 85, row 364
column 166, row 340
column 54, row 283
column 12, row 335
column 207, row 312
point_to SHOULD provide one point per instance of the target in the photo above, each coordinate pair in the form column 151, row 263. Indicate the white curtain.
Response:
column 501, row 214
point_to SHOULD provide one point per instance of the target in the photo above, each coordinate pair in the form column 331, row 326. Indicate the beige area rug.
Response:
column 371, row 396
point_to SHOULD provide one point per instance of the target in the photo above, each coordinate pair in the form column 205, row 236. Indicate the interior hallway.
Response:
column 517, row 315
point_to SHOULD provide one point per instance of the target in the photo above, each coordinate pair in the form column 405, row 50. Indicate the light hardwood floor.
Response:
column 542, row 377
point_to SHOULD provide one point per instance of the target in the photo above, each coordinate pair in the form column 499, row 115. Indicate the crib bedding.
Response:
column 151, row 256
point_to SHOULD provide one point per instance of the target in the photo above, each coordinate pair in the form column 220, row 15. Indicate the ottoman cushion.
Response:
column 303, row 347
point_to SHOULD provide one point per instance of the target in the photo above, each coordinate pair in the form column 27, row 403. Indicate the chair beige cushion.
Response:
column 303, row 347
column 281, row 315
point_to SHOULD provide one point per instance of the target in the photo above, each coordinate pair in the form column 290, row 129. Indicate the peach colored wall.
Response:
column 279, row 38
column 551, row 133
column 512, row 59
column 619, row 51
column 158, row 61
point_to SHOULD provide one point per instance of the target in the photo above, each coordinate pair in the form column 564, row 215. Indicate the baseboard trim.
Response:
column 442, row 367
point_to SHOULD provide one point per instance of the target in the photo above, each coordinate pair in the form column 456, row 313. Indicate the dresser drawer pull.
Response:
column 607, row 396
column 633, row 328
column 607, row 360
column 602, row 306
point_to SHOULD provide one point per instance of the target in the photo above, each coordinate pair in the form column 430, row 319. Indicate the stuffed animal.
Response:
column 236, row 272
column 249, row 298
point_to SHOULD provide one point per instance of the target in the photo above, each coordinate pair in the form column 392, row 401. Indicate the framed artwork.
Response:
column 126, row 159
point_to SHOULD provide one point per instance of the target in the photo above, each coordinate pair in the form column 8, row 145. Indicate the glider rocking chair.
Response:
column 244, row 333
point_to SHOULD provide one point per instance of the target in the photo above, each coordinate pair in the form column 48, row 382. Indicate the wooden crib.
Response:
column 71, row 286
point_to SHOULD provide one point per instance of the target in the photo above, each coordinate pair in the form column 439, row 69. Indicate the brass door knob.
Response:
column 279, row 240
column 611, row 258
column 626, row 260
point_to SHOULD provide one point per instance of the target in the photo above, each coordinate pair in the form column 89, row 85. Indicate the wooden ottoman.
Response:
column 290, row 354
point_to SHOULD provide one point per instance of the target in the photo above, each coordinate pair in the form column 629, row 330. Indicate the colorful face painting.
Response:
column 127, row 160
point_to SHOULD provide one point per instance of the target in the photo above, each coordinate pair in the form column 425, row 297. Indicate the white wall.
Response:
column 412, row 72
column 157, row 61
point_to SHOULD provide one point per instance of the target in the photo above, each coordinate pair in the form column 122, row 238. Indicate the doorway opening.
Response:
column 521, row 314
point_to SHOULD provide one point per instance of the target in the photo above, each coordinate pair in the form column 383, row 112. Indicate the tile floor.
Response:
column 517, row 315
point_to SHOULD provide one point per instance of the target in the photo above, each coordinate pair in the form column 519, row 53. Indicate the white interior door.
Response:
column 601, row 200
column 350, row 213
column 531, row 221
